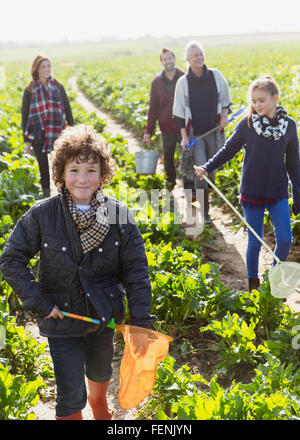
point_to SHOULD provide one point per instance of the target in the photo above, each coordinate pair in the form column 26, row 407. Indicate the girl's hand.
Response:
column 200, row 171
column 56, row 313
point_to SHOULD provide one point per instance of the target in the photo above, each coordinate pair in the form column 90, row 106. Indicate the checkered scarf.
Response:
column 46, row 113
column 93, row 225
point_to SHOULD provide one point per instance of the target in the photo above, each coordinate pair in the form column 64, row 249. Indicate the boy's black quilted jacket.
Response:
column 74, row 281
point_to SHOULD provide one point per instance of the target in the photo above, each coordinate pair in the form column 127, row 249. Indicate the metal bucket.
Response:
column 146, row 162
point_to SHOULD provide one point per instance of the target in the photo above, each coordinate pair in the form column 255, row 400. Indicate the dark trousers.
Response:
column 43, row 163
column 73, row 358
column 169, row 143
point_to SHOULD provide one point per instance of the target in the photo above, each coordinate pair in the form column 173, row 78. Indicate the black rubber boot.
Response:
column 254, row 283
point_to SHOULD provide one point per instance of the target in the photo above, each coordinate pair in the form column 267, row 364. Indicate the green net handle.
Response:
column 241, row 217
column 112, row 323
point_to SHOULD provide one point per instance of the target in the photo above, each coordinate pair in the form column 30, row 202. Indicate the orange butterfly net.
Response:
column 144, row 349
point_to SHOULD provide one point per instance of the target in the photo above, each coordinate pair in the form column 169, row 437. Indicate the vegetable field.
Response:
column 235, row 354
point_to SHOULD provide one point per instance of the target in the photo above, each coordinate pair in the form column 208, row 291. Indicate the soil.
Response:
column 227, row 248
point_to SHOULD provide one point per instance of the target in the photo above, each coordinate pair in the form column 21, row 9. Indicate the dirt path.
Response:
column 228, row 249
column 113, row 127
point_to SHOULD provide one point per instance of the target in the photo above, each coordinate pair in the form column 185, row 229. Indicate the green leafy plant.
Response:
column 237, row 402
column 17, row 396
column 236, row 343
column 170, row 385
column 283, row 341
column 272, row 394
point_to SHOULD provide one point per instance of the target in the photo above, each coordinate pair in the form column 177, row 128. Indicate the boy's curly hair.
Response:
column 81, row 142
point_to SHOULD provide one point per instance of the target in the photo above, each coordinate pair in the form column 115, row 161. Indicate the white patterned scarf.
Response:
column 262, row 126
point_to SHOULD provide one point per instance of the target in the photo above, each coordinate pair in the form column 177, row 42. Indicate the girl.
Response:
column 87, row 260
column 271, row 144
column 45, row 109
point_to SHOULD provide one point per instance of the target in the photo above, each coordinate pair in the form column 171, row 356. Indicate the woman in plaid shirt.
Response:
column 45, row 111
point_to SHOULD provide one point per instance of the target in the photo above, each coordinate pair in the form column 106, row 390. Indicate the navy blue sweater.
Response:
column 267, row 164
column 203, row 101
column 203, row 96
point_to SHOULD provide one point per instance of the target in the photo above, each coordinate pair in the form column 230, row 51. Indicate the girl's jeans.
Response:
column 280, row 217
column 73, row 358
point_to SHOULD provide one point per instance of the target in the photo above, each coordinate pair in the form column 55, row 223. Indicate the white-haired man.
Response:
column 202, row 101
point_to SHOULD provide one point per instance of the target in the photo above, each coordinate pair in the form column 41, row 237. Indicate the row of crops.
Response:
column 235, row 354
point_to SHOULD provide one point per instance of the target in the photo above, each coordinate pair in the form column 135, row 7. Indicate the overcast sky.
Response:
column 75, row 20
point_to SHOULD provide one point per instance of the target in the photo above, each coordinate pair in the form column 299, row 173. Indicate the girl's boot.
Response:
column 97, row 399
column 253, row 283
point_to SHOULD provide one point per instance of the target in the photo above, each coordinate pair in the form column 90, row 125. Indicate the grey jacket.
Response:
column 181, row 106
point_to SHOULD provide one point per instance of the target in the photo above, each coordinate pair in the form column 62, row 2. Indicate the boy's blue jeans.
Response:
column 280, row 217
column 75, row 358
